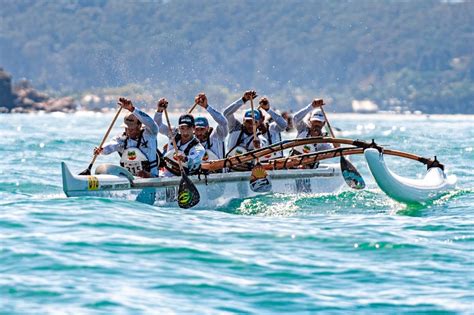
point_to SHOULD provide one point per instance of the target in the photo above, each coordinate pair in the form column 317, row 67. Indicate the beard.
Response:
column 316, row 131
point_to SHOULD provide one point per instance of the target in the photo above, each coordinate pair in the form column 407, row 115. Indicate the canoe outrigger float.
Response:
column 407, row 190
column 287, row 176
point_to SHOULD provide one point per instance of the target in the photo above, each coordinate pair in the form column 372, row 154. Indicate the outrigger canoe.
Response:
column 217, row 190
column 287, row 176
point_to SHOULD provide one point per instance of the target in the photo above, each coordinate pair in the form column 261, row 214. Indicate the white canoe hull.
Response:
column 407, row 190
column 219, row 191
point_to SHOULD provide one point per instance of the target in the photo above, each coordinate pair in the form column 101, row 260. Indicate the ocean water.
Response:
column 354, row 252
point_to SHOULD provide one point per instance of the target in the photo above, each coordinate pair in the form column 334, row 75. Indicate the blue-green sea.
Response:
column 353, row 252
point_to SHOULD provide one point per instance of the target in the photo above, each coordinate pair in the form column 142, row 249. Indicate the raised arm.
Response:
column 146, row 120
column 162, row 128
column 299, row 115
column 229, row 111
column 221, row 130
column 280, row 122
column 158, row 118
column 233, row 123
column 143, row 117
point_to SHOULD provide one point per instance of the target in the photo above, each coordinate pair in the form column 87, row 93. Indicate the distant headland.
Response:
column 21, row 97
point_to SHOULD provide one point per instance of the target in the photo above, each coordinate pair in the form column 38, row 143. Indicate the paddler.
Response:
column 161, row 105
column 137, row 145
column 289, row 120
column 211, row 139
column 271, row 131
column 241, row 137
column 190, row 150
column 311, row 127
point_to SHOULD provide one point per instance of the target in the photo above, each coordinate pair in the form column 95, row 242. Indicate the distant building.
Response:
column 364, row 106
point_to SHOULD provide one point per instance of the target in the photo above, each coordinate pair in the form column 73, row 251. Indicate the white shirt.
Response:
column 215, row 142
column 246, row 140
column 148, row 143
column 302, row 128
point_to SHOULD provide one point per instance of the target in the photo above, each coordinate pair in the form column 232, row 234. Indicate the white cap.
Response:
column 130, row 120
column 317, row 115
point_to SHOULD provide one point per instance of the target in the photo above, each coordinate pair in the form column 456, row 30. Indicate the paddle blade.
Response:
column 259, row 181
column 188, row 195
column 87, row 171
column 351, row 175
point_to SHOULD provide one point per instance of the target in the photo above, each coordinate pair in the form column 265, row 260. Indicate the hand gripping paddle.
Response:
column 259, row 181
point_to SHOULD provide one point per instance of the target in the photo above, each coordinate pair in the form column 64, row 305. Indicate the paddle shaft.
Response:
column 188, row 195
column 105, row 137
column 192, row 108
column 336, row 145
column 173, row 140
column 259, row 181
column 254, row 126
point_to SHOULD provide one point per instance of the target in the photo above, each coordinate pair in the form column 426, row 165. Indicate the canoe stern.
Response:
column 80, row 185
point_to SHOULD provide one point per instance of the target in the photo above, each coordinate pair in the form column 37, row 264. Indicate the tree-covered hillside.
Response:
column 414, row 54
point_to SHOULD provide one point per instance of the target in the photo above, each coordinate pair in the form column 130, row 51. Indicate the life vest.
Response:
column 192, row 144
column 268, row 136
column 134, row 159
column 241, row 150
column 306, row 148
column 244, row 145
column 306, row 134
column 209, row 156
column 170, row 155
column 303, row 149
column 236, row 151
column 208, row 144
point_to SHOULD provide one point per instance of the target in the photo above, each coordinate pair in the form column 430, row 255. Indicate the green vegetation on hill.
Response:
column 413, row 54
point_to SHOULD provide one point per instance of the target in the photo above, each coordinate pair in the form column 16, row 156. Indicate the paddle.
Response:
column 259, row 181
column 188, row 195
column 350, row 174
column 87, row 171
column 192, row 108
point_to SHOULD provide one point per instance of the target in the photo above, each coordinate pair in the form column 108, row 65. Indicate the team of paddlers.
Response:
column 195, row 141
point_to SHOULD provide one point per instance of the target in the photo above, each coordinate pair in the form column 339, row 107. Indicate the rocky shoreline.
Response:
column 21, row 97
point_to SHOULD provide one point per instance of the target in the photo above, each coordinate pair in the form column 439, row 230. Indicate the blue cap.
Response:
column 201, row 122
column 248, row 114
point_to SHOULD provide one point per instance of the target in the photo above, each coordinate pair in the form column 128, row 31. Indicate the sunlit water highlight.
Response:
column 354, row 252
